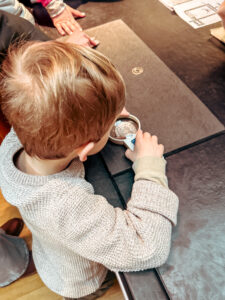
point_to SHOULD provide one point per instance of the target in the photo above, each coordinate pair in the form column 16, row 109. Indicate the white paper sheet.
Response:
column 172, row 3
column 197, row 13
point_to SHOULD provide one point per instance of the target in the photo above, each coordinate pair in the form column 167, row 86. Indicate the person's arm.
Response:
column 16, row 8
column 14, row 28
column 62, row 16
column 221, row 13
column 122, row 240
column 147, row 158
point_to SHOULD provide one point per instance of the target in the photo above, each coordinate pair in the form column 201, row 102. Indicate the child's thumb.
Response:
column 129, row 154
column 77, row 13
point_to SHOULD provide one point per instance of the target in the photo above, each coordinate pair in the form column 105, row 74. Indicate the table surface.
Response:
column 195, row 146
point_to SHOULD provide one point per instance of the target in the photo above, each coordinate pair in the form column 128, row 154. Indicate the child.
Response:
column 62, row 101
column 62, row 15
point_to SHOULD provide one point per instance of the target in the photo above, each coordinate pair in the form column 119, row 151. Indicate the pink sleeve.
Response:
column 44, row 2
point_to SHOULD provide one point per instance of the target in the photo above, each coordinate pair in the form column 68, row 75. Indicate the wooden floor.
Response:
column 31, row 287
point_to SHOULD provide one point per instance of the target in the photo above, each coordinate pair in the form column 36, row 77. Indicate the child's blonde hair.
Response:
column 59, row 96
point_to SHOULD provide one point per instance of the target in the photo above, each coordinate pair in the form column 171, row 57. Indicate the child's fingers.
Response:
column 59, row 28
column 139, row 136
column 94, row 42
column 139, row 133
column 155, row 139
column 146, row 135
column 77, row 13
column 71, row 26
column 129, row 154
column 161, row 149
column 77, row 25
column 66, row 28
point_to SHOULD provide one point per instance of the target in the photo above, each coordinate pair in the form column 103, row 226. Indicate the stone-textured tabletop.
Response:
column 163, row 103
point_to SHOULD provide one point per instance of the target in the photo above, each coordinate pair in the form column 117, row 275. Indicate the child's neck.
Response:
column 42, row 167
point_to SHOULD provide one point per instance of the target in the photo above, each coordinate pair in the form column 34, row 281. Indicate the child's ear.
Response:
column 83, row 151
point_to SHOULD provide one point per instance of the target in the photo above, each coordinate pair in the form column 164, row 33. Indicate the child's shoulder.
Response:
column 9, row 145
column 70, row 184
column 63, row 195
column 10, row 139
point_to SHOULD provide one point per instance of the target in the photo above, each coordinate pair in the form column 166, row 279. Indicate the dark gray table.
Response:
column 194, row 142
column 195, row 267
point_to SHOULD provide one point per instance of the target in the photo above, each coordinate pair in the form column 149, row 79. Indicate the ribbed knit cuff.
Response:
column 151, row 168
column 55, row 7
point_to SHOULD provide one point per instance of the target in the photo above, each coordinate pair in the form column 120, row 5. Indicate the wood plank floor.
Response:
column 32, row 288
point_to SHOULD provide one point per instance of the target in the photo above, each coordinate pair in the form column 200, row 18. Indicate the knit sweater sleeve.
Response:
column 53, row 7
column 122, row 240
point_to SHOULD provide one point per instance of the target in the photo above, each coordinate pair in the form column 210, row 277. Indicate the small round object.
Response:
column 124, row 126
column 137, row 70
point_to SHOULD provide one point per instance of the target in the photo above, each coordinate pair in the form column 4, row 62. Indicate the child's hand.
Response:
column 145, row 145
column 79, row 38
column 221, row 13
column 65, row 23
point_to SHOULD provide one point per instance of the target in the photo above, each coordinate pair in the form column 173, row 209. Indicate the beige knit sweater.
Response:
column 77, row 234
